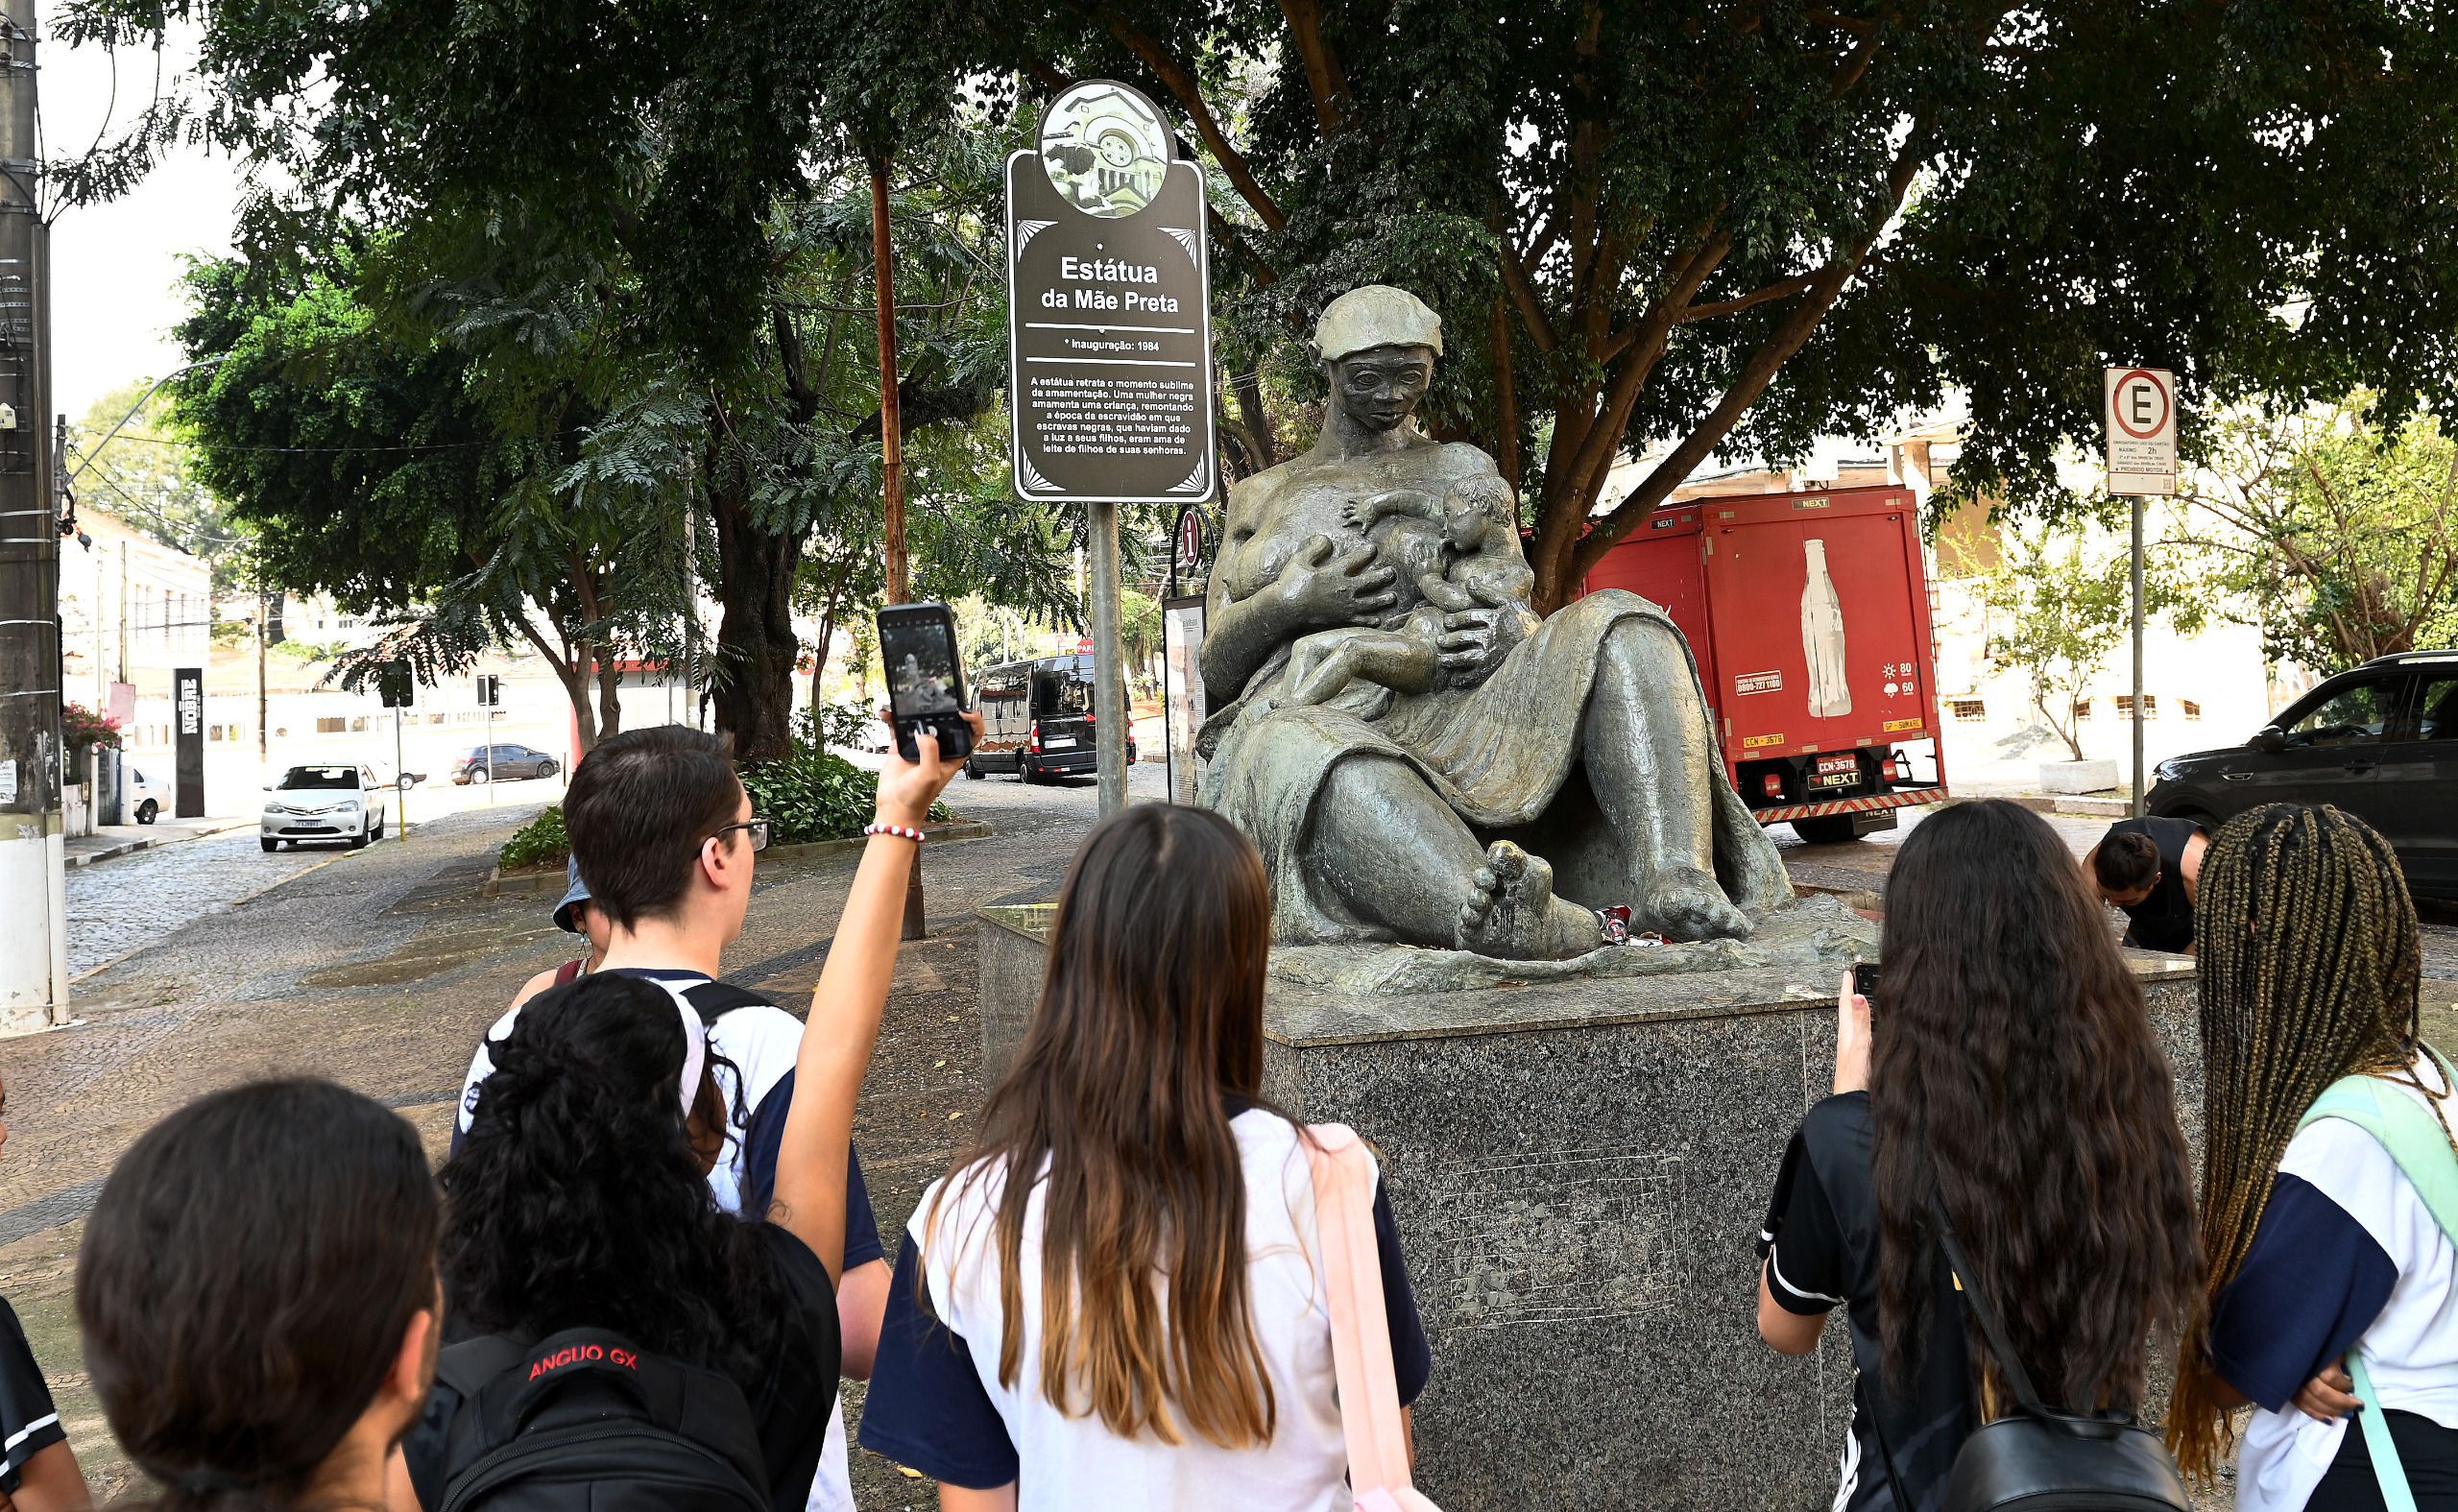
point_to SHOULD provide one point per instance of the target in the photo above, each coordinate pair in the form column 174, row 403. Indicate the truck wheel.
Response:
column 1824, row 829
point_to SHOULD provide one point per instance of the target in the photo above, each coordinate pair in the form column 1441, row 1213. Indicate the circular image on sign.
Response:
column 1105, row 149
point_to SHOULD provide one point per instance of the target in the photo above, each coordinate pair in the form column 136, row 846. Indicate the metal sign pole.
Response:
column 1109, row 695
column 2137, row 656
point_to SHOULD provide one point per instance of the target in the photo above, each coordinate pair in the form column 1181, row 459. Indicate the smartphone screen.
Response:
column 920, row 653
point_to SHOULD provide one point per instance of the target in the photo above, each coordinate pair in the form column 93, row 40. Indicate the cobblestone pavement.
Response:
column 115, row 906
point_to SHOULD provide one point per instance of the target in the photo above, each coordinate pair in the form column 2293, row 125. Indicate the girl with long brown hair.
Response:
column 2322, row 1250
column 2007, row 1076
column 1115, row 1298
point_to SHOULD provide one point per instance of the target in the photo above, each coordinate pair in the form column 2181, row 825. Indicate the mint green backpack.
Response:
column 2421, row 1146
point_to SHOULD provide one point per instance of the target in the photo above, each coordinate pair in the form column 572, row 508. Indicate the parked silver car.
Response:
column 326, row 801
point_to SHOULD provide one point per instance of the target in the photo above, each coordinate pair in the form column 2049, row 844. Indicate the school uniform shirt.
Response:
column 28, row 1423
column 761, row 1042
column 936, row 1403
column 1820, row 1249
column 791, row 1402
column 2346, row 1255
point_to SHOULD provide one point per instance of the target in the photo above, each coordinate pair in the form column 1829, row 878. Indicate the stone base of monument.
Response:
column 1580, row 1162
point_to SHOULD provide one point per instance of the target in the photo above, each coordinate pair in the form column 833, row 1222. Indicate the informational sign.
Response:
column 187, row 742
column 2143, row 430
column 1181, row 686
column 1109, row 325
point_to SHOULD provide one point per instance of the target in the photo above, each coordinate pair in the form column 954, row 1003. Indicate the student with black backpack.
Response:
column 638, row 1346
column 663, row 833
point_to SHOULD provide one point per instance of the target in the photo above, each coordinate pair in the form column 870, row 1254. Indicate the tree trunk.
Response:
column 754, row 675
column 610, row 704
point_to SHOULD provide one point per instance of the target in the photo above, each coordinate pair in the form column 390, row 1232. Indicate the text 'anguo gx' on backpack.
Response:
column 582, row 1421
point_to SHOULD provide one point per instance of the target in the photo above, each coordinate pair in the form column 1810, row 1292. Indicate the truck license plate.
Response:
column 1843, row 761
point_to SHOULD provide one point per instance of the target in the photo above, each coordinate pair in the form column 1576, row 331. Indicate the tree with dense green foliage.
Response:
column 2332, row 532
column 130, row 461
column 2059, row 603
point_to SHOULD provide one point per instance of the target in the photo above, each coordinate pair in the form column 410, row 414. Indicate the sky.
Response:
column 115, row 267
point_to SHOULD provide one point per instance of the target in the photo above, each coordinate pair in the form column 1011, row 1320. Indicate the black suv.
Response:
column 2380, row 742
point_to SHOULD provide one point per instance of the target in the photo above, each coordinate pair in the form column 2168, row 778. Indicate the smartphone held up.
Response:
column 924, row 677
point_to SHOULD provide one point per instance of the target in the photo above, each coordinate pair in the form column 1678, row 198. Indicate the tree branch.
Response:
column 1324, row 80
column 1773, row 291
column 1226, row 231
column 1523, row 296
column 1190, row 93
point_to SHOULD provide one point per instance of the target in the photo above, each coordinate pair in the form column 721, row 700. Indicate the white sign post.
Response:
column 2142, row 415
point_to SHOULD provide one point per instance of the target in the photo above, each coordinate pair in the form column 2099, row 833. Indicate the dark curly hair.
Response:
column 246, row 1280
column 576, row 1200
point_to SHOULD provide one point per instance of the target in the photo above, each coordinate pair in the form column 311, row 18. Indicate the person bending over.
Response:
column 1116, row 1299
column 2321, row 1248
column 257, row 1293
column 2152, row 869
column 664, row 834
column 580, row 1198
column 2008, row 1067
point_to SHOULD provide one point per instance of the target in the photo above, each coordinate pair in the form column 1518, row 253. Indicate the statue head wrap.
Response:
column 1377, row 315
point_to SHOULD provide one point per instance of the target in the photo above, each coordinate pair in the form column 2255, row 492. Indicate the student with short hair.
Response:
column 1116, row 1299
column 256, row 1291
column 580, row 1195
column 2322, row 1250
column 2007, row 1069
column 2150, row 869
column 664, row 834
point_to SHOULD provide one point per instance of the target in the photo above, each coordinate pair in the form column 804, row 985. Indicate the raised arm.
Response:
column 845, row 1010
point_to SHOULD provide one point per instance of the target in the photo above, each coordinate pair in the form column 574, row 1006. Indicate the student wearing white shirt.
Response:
column 2321, row 1248
column 1137, row 1320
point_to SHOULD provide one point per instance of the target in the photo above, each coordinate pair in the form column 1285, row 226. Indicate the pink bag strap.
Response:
column 1378, row 1455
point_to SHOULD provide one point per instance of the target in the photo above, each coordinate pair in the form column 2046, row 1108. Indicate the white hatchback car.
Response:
column 145, row 794
column 331, row 801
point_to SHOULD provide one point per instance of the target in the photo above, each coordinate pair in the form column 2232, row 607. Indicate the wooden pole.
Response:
column 899, row 584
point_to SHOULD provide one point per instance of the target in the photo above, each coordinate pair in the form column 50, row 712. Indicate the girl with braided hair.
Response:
column 2007, row 1072
column 2320, row 1245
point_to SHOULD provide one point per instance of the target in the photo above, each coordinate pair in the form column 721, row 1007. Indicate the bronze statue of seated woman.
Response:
column 1506, row 776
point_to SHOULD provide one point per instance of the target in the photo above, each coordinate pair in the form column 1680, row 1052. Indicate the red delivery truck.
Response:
column 1809, row 614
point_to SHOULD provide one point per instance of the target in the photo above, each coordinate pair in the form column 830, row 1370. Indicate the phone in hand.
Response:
column 1864, row 979
column 924, row 677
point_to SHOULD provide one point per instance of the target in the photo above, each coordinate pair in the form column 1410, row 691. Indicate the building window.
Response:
column 1970, row 710
column 2191, row 709
column 2081, row 709
column 435, row 719
column 331, row 727
column 2149, row 705
column 358, row 726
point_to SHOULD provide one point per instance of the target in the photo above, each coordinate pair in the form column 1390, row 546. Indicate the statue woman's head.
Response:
column 1376, row 345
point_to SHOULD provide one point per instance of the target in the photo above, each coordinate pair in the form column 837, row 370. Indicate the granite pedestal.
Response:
column 1579, row 1168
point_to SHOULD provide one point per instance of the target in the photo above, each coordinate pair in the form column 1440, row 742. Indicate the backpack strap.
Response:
column 536, row 1374
column 1369, row 1392
column 2419, row 1144
column 468, row 1366
column 713, row 1000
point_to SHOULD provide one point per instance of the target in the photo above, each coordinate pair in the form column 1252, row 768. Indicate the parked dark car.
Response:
column 510, row 762
column 1037, row 720
column 2379, row 742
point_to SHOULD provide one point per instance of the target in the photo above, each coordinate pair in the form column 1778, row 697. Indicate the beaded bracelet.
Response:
column 899, row 831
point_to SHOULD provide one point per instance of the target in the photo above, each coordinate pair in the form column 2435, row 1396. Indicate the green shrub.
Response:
column 814, row 795
column 541, row 842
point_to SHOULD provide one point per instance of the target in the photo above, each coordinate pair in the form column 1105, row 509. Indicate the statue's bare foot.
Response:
column 1511, row 911
column 1685, row 903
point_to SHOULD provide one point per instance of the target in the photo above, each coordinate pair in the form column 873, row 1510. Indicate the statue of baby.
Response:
column 1462, row 551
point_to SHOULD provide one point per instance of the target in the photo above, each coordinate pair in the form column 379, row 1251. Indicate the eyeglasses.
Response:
column 757, row 826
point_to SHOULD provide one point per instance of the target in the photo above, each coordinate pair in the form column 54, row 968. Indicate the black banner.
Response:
column 1109, row 323
column 188, row 740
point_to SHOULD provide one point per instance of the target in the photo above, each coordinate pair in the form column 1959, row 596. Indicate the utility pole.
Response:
column 899, row 581
column 33, row 971
column 264, row 734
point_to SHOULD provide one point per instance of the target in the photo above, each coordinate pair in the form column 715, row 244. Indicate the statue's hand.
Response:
column 1323, row 587
column 1476, row 640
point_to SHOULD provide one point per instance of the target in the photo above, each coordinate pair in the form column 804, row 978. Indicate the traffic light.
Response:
column 490, row 691
column 392, row 682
